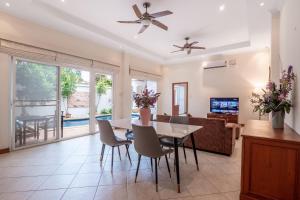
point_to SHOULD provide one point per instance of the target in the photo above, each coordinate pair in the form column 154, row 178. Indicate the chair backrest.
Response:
column 146, row 141
column 107, row 135
column 179, row 119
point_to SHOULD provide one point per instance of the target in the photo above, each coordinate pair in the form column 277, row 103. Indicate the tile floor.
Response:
column 71, row 170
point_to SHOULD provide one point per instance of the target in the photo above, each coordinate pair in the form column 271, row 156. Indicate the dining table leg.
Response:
column 195, row 150
column 177, row 164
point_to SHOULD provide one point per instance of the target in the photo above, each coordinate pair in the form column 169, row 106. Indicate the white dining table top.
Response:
column 162, row 128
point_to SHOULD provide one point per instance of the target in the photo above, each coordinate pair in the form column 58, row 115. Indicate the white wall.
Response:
column 290, row 52
column 4, row 100
column 250, row 72
column 15, row 29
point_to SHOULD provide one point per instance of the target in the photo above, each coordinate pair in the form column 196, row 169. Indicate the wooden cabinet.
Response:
column 270, row 163
column 230, row 118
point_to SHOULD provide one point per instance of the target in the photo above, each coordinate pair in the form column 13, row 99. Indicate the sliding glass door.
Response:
column 54, row 102
column 103, row 98
column 35, row 103
column 75, row 102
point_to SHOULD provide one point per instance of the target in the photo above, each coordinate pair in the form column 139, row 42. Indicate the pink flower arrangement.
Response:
column 275, row 98
column 146, row 99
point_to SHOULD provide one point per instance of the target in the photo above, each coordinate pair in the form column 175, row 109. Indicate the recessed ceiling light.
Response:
column 62, row 0
column 262, row 4
column 222, row 7
column 7, row 4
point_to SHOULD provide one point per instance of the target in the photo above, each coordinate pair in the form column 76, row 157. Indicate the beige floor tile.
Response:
column 115, row 178
column 114, row 192
column 232, row 195
column 142, row 190
column 15, row 196
column 211, row 197
column 72, row 169
column 86, row 180
column 47, row 195
column 21, row 184
column 57, row 182
column 86, row 193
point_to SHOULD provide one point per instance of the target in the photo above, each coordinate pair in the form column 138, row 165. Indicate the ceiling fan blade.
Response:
column 189, row 51
column 160, row 25
column 137, row 11
column 193, row 43
column 144, row 27
column 174, row 45
column 198, row 48
column 176, row 51
column 161, row 14
column 130, row 22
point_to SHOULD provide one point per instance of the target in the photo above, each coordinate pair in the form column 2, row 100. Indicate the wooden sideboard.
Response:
column 270, row 162
column 230, row 118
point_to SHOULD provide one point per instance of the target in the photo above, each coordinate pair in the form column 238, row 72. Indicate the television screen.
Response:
column 224, row 105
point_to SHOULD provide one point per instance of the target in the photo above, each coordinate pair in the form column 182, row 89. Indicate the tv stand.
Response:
column 229, row 117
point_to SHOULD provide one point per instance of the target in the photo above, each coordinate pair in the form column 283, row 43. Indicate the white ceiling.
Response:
column 243, row 23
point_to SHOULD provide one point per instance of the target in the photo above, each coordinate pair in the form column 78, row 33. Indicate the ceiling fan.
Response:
column 147, row 19
column 187, row 46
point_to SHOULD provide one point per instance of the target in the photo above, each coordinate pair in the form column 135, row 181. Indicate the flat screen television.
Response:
column 224, row 105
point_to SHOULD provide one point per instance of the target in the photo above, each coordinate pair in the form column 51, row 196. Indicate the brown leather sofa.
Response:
column 215, row 136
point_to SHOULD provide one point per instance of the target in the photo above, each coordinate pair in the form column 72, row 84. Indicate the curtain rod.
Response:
column 130, row 68
column 58, row 52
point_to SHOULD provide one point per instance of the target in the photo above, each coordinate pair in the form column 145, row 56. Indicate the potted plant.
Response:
column 144, row 102
column 275, row 99
column 69, row 80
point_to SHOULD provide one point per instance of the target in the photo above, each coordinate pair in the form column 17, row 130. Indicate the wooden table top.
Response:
column 162, row 128
column 263, row 129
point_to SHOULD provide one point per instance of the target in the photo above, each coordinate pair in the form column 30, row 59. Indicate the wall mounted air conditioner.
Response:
column 215, row 64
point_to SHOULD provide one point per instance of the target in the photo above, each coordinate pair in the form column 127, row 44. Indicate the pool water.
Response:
column 85, row 121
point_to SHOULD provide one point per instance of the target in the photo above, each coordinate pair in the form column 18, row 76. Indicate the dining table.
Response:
column 173, row 130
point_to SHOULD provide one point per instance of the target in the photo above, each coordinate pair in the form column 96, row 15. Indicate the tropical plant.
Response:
column 106, row 111
column 69, row 80
column 274, row 98
column 146, row 99
column 103, row 83
column 35, row 81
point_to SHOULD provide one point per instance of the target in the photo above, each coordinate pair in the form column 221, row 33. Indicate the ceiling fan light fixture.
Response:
column 146, row 22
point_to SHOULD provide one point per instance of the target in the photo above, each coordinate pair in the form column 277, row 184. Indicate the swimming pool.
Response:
column 85, row 121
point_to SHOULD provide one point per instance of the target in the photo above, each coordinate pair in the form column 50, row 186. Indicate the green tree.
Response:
column 103, row 83
column 35, row 81
column 69, row 80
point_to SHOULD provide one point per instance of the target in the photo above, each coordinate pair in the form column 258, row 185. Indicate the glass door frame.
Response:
column 13, row 90
column 93, row 108
column 92, row 99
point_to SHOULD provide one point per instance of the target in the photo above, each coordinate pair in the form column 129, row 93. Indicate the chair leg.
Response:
column 183, row 147
column 127, row 152
column 112, row 159
column 102, row 152
column 137, row 169
column 156, row 178
column 151, row 164
column 119, row 152
column 168, row 165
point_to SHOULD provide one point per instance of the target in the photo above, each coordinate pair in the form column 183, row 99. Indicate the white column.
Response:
column 275, row 47
column 126, row 87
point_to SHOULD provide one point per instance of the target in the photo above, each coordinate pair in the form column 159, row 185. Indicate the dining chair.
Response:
column 147, row 144
column 130, row 136
column 108, row 137
column 169, row 141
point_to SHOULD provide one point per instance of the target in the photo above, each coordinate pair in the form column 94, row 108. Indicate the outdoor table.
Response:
column 36, row 120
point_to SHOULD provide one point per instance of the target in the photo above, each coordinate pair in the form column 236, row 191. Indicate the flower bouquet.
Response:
column 275, row 98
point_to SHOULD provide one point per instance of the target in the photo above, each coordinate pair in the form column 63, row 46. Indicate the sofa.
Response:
column 215, row 136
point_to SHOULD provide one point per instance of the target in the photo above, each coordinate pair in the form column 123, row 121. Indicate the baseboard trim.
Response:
column 3, row 151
